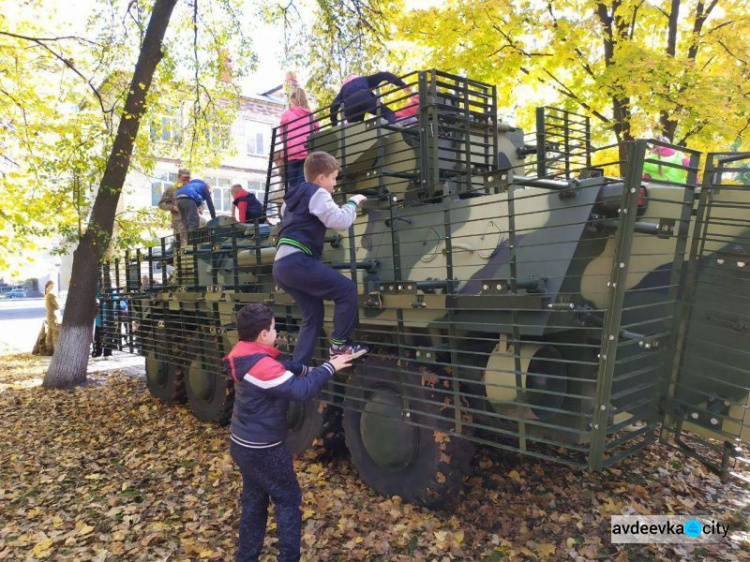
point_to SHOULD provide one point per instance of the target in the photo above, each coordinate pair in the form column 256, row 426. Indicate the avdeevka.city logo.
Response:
column 693, row 528
column 666, row 529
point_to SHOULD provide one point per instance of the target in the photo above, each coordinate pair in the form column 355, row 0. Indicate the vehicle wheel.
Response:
column 210, row 393
column 164, row 379
column 398, row 431
column 314, row 425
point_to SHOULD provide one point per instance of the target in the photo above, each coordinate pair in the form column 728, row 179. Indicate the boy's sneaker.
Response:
column 351, row 349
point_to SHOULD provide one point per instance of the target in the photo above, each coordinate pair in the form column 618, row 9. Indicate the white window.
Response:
column 220, row 194
column 218, row 136
column 167, row 128
column 256, row 187
column 255, row 138
column 159, row 182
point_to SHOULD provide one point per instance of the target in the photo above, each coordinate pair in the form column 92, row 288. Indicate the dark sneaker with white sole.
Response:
column 350, row 349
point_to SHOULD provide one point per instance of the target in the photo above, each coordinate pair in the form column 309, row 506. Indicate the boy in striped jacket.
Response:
column 263, row 387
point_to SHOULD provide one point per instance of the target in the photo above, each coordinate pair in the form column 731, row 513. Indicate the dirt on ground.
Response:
column 105, row 472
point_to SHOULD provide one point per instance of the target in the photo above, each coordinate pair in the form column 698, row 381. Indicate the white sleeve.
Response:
column 323, row 206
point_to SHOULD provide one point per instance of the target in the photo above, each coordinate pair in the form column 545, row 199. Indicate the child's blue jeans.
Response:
column 310, row 282
column 268, row 473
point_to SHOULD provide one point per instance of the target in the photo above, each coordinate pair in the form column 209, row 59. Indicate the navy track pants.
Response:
column 268, row 473
column 310, row 282
column 362, row 102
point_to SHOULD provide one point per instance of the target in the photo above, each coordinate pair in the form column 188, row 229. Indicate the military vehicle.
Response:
column 513, row 295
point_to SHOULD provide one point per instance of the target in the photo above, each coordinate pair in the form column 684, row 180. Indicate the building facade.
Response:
column 250, row 135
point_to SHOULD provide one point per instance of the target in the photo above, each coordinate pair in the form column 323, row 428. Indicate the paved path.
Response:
column 133, row 365
column 20, row 321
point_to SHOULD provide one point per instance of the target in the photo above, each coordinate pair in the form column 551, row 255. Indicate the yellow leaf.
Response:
column 570, row 542
column 440, row 535
column 85, row 529
column 307, row 514
column 611, row 506
column 358, row 540
column 206, row 554
column 42, row 548
column 513, row 475
column 546, row 549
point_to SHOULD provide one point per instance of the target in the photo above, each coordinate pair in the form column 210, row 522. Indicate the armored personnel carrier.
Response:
column 513, row 294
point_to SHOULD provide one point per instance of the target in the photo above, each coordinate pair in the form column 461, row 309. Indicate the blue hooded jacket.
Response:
column 197, row 190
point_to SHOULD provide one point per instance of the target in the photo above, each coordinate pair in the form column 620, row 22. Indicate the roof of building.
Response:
column 274, row 95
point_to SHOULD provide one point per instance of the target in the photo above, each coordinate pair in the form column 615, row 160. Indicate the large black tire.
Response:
column 399, row 431
column 165, row 379
column 314, row 425
column 210, row 393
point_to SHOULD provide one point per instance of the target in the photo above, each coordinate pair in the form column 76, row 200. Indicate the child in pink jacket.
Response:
column 297, row 123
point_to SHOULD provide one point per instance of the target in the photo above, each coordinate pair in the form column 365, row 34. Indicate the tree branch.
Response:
column 51, row 39
column 197, row 101
column 690, row 133
column 634, row 18
column 565, row 90
column 581, row 59
column 718, row 27
column 66, row 62
column 730, row 53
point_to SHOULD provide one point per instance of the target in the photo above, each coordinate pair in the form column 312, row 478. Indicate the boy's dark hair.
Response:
column 252, row 319
column 320, row 162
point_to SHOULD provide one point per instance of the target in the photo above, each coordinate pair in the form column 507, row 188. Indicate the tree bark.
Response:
column 615, row 27
column 70, row 361
column 667, row 125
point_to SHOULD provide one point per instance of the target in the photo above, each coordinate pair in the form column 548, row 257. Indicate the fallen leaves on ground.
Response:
column 105, row 472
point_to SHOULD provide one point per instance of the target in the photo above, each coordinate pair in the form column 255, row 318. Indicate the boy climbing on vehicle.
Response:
column 308, row 211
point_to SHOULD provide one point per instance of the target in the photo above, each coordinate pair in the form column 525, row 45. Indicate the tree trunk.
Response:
column 615, row 27
column 667, row 124
column 70, row 361
column 621, row 114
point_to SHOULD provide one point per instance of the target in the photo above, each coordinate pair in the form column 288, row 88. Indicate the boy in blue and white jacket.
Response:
column 191, row 196
column 308, row 210
column 263, row 387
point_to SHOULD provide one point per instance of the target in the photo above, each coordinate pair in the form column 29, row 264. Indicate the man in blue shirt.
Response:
column 191, row 196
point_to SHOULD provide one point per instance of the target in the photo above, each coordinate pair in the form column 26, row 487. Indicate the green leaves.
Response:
column 556, row 53
column 59, row 122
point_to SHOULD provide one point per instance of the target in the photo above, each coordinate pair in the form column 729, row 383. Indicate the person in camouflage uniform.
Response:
column 168, row 202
